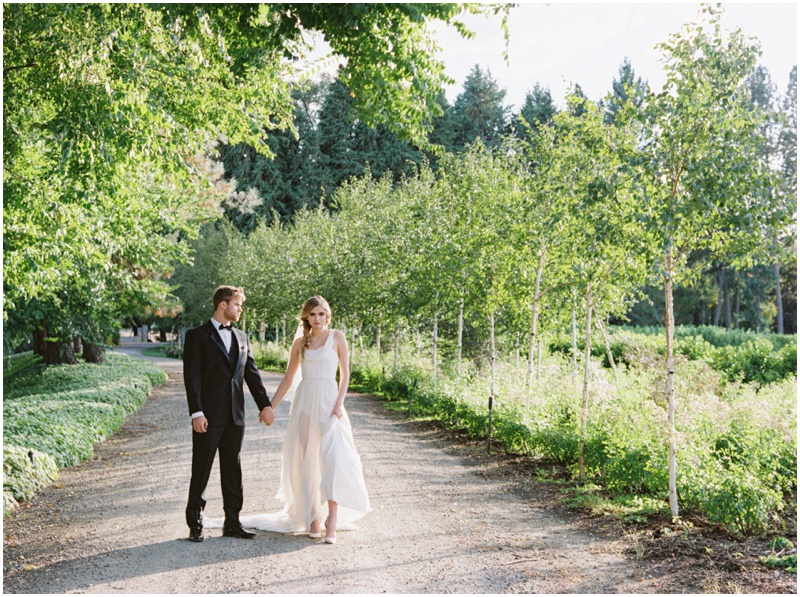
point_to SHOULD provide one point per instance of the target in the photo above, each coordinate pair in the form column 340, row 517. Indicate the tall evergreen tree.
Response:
column 348, row 147
column 284, row 183
column 478, row 112
column 628, row 88
column 443, row 132
column 788, row 134
column 537, row 110
column 786, row 277
column 576, row 99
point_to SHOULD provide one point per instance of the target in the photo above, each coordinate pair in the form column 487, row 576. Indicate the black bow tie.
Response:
column 228, row 327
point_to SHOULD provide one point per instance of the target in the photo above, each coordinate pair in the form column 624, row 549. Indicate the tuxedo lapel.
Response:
column 241, row 340
column 215, row 338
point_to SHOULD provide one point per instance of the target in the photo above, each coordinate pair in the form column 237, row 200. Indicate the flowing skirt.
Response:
column 320, row 463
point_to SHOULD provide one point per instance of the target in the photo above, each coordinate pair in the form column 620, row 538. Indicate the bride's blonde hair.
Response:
column 310, row 304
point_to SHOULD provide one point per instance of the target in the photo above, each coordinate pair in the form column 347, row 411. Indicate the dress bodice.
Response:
column 321, row 362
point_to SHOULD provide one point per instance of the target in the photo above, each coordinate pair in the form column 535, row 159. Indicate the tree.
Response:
column 627, row 89
column 101, row 96
column 349, row 147
column 787, row 151
column 537, row 111
column 478, row 112
column 702, row 188
column 290, row 180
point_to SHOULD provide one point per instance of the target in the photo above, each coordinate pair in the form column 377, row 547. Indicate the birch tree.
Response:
column 703, row 186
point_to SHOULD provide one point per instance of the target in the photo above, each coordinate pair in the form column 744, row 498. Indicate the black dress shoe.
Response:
column 237, row 532
column 196, row 534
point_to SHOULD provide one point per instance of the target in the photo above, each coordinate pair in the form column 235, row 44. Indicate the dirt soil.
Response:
column 448, row 518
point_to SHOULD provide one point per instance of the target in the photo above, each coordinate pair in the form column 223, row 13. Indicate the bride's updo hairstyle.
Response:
column 314, row 301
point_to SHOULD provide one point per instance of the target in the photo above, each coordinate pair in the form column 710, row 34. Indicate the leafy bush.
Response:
column 742, row 356
column 736, row 441
column 61, row 411
column 731, row 495
column 24, row 473
column 716, row 336
column 756, row 361
column 272, row 357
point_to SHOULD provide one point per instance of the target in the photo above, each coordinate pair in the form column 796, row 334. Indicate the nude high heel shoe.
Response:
column 312, row 533
column 328, row 528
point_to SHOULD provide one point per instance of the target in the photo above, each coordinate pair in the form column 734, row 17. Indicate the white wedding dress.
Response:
column 320, row 461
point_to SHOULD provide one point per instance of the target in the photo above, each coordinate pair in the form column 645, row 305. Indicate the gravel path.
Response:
column 115, row 523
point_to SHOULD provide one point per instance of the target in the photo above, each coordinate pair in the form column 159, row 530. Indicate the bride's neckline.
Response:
column 324, row 342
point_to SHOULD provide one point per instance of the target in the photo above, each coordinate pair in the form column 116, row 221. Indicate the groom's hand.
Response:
column 200, row 424
column 267, row 415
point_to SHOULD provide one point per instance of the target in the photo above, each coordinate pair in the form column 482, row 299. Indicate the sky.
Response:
column 557, row 43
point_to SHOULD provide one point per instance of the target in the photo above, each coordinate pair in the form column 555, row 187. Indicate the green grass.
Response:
column 155, row 351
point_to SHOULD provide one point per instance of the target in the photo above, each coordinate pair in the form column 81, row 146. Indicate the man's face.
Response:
column 233, row 309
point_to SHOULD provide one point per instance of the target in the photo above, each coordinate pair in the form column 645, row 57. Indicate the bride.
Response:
column 321, row 472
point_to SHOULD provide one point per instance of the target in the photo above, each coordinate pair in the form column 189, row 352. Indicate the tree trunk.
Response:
column 585, row 401
column 76, row 345
column 778, row 298
column 396, row 344
column 434, row 340
column 460, row 335
column 574, row 345
column 92, row 353
column 726, row 302
column 492, row 387
column 517, row 350
column 378, row 342
column 38, row 339
column 534, row 323
column 720, row 296
column 736, row 308
column 670, row 326
column 493, row 355
column 56, row 353
column 758, row 312
column 609, row 354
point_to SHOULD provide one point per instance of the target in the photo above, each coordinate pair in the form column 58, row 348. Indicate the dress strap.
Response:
column 329, row 339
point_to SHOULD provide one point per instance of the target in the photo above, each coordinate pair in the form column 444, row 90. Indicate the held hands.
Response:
column 267, row 415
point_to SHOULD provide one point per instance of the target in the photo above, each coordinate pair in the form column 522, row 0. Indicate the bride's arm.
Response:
column 291, row 371
column 344, row 371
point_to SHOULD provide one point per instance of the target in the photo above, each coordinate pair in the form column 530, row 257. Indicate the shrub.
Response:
column 272, row 357
column 25, row 471
column 61, row 411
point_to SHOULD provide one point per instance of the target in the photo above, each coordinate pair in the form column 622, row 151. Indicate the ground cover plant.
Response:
column 53, row 416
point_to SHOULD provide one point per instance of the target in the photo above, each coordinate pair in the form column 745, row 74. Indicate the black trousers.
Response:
column 228, row 441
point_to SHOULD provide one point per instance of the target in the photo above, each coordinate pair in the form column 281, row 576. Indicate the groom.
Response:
column 217, row 360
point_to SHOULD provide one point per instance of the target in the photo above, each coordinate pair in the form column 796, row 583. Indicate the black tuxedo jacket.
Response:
column 215, row 384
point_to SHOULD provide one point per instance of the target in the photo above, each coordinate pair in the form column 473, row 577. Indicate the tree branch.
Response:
column 10, row 68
